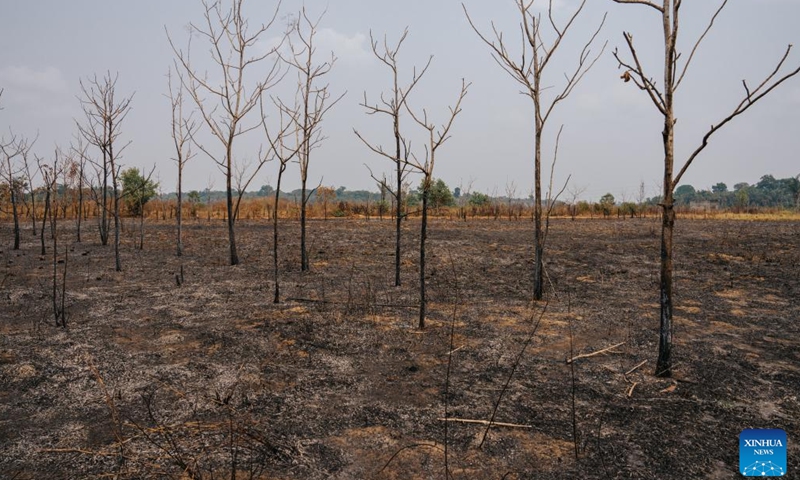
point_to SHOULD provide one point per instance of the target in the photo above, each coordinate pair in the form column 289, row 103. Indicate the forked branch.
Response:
column 750, row 98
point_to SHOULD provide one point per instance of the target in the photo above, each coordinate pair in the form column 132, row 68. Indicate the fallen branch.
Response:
column 630, row 390
column 455, row 350
column 635, row 368
column 483, row 422
column 587, row 355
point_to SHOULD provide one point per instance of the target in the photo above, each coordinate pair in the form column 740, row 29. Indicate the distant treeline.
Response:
column 769, row 192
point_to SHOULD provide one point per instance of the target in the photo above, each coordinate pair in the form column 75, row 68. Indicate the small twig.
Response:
column 587, row 355
column 630, row 390
column 455, row 350
column 635, row 368
column 483, row 422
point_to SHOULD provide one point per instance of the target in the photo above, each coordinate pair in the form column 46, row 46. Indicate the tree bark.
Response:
column 178, row 213
column 229, row 202
column 44, row 218
column 422, row 238
column 664, row 362
column 277, row 297
column 80, row 202
column 303, row 251
column 15, row 214
column 538, row 257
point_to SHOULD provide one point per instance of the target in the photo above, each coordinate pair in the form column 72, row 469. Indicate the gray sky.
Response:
column 611, row 140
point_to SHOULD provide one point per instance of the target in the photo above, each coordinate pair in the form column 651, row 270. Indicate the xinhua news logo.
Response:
column 762, row 453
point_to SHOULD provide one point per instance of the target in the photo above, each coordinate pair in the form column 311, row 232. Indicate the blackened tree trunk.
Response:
column 15, row 214
column 423, row 301
column 277, row 297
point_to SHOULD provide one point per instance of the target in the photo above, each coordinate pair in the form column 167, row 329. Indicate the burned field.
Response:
column 210, row 379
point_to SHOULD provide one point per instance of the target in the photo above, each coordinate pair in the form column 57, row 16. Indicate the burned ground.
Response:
column 156, row 380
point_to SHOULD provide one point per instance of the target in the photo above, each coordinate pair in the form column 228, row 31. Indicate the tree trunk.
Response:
column 277, row 297
column 80, row 204
column 303, row 252
column 178, row 215
column 117, row 260
column 33, row 210
column 422, row 237
column 398, row 204
column 44, row 218
column 664, row 362
column 538, row 283
column 104, row 210
column 141, row 224
column 231, row 218
column 15, row 214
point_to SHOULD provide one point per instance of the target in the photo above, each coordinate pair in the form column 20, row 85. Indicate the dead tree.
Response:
column 393, row 107
column 11, row 149
column 663, row 98
column 279, row 146
column 237, row 54
column 183, row 129
column 511, row 191
column 30, row 176
column 78, row 174
column 314, row 101
column 50, row 176
column 436, row 138
column 104, row 115
column 527, row 67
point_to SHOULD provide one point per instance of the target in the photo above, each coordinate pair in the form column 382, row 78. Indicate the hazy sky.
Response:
column 612, row 134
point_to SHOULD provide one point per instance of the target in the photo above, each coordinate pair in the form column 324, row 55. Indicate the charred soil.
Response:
column 211, row 379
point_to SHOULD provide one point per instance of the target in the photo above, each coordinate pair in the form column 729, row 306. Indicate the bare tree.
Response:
column 280, row 148
column 663, row 98
column 104, row 115
column 436, row 138
column 237, row 54
column 511, row 192
column 78, row 173
column 30, row 176
column 528, row 67
column 575, row 192
column 50, row 176
column 314, row 101
column 11, row 149
column 393, row 106
column 183, row 129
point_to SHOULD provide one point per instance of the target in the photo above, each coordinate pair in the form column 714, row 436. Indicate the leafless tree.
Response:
column 184, row 128
column 313, row 102
column 79, row 175
column 575, row 192
column 528, row 67
column 393, row 106
column 50, row 176
column 511, row 192
column 436, row 138
column 12, row 148
column 30, row 177
column 284, row 151
column 237, row 53
column 663, row 98
column 104, row 115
